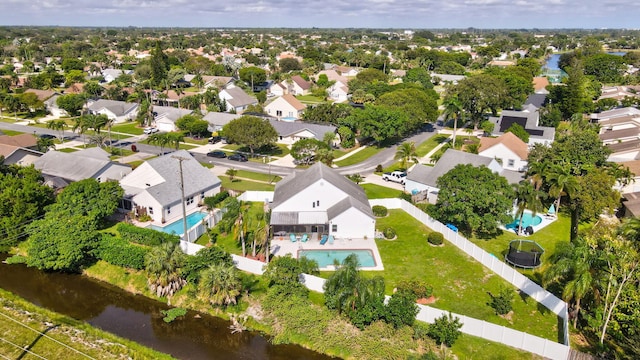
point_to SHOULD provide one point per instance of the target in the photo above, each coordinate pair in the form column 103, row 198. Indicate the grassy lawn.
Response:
column 128, row 128
column 460, row 284
column 258, row 176
column 136, row 163
column 359, row 156
column 120, row 152
column 244, row 185
column 310, row 99
column 12, row 132
column 228, row 241
column 278, row 150
column 423, row 148
column 374, row 191
column 199, row 142
column 471, row 347
column 68, row 150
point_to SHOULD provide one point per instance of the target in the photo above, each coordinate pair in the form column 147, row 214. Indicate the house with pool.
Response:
column 323, row 215
column 154, row 188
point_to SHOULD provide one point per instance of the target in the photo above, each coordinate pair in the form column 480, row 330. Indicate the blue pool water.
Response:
column 326, row 257
column 177, row 226
column 527, row 220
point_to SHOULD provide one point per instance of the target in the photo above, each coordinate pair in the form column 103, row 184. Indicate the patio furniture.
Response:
column 324, row 239
column 293, row 237
column 331, row 239
column 305, row 237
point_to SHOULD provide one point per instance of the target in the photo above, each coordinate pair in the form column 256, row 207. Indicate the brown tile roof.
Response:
column 41, row 94
column 76, row 88
column 21, row 140
column 509, row 140
column 540, row 83
column 294, row 102
column 304, row 84
column 633, row 165
column 630, row 145
column 6, row 150
column 633, row 132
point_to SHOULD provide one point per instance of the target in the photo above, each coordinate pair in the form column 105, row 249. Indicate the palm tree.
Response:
column 453, row 110
column 198, row 81
column 561, row 182
column 406, row 152
column 537, row 172
column 80, row 124
column 99, row 140
column 241, row 225
column 160, row 140
column 572, row 266
column 220, row 285
column 57, row 125
column 527, row 197
column 45, row 144
column 163, row 265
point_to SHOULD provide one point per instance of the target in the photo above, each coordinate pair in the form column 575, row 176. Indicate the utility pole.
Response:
column 184, row 206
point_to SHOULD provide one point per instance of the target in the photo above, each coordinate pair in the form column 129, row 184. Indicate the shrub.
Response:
column 379, row 210
column 502, row 303
column 119, row 252
column 211, row 202
column 418, row 288
column 445, row 330
column 145, row 236
column 379, row 168
column 145, row 218
column 212, row 255
column 405, row 196
column 389, row 233
column 172, row 314
column 16, row 259
column 435, row 238
column 420, row 330
column 401, row 309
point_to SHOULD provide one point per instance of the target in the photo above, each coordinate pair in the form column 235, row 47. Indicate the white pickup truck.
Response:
column 395, row 176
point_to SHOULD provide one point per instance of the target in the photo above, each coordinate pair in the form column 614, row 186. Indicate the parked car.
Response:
column 238, row 157
column 150, row 130
column 214, row 139
column 395, row 176
column 217, row 154
column 47, row 136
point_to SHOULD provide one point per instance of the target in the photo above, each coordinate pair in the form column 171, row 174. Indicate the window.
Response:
column 318, row 203
column 190, row 200
column 334, row 228
column 150, row 211
column 202, row 195
column 511, row 163
column 169, row 210
column 278, row 112
column 313, row 204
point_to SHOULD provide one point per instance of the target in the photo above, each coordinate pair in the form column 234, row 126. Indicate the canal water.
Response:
column 139, row 318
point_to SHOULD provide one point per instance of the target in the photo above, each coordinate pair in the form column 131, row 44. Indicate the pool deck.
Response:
column 546, row 220
column 281, row 246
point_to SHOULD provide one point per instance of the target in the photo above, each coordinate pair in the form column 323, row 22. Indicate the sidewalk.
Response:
column 427, row 158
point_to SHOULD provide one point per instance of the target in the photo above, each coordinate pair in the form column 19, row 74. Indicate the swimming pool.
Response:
column 527, row 220
column 177, row 226
column 326, row 257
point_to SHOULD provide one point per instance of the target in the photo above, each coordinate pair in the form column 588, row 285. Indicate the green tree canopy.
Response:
column 475, row 199
column 71, row 103
column 253, row 75
column 88, row 198
column 306, row 150
column 518, row 131
column 250, row 131
column 419, row 107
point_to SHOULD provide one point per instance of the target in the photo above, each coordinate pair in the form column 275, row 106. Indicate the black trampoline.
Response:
column 524, row 253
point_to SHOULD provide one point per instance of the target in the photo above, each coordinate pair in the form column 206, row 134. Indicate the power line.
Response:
column 22, row 348
column 46, row 336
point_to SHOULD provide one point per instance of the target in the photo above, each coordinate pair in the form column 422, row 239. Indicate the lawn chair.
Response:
column 292, row 237
column 324, row 239
column 305, row 237
column 331, row 239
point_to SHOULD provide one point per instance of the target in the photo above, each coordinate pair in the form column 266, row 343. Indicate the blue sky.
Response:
column 402, row 14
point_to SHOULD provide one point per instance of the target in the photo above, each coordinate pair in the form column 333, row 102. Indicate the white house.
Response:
column 165, row 117
column 91, row 163
column 217, row 120
column 527, row 118
column 289, row 132
column 117, row 111
column 338, row 92
column 424, row 178
column 508, row 149
column 236, row 99
column 110, row 75
column 154, row 187
column 296, row 86
column 277, row 89
column 319, row 200
column 286, row 107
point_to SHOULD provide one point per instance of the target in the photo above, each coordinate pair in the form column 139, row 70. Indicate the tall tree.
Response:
column 220, row 285
column 57, row 125
column 406, row 153
column 163, row 265
column 159, row 64
column 527, row 197
column 250, row 131
column 453, row 110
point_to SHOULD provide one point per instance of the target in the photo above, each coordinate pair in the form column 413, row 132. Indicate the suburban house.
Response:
column 217, row 120
column 296, row 86
column 165, row 117
column 51, row 104
column 446, row 78
column 319, row 201
column 540, row 84
column 18, row 155
column 216, row 82
column 620, row 132
column 276, row 89
column 155, row 187
column 508, row 149
column 338, row 92
column 527, row 118
column 332, row 75
column 424, row 178
column 286, row 108
column 21, row 140
column 42, row 95
column 289, row 132
column 236, row 99
column 110, row 75
column 116, row 111
column 618, row 93
column 91, row 163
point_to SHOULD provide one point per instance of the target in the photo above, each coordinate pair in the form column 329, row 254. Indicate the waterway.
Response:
column 138, row 318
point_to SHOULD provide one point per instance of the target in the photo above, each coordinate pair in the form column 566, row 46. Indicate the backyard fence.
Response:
column 257, row 196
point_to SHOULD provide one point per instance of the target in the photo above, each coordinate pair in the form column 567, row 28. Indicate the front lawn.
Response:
column 132, row 128
column 244, row 185
column 258, row 176
column 374, row 191
column 360, row 156
column 460, row 284
column 423, row 148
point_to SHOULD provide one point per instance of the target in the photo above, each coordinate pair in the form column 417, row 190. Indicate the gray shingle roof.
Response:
column 240, row 98
column 219, row 118
column 287, row 128
column 429, row 175
column 197, row 178
column 300, row 180
column 118, row 108
column 74, row 166
column 169, row 112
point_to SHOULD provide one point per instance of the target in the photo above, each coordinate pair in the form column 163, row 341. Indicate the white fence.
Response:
column 248, row 265
column 257, row 196
column 190, row 248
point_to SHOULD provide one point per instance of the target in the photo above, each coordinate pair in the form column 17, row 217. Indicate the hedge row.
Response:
column 120, row 252
column 145, row 236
